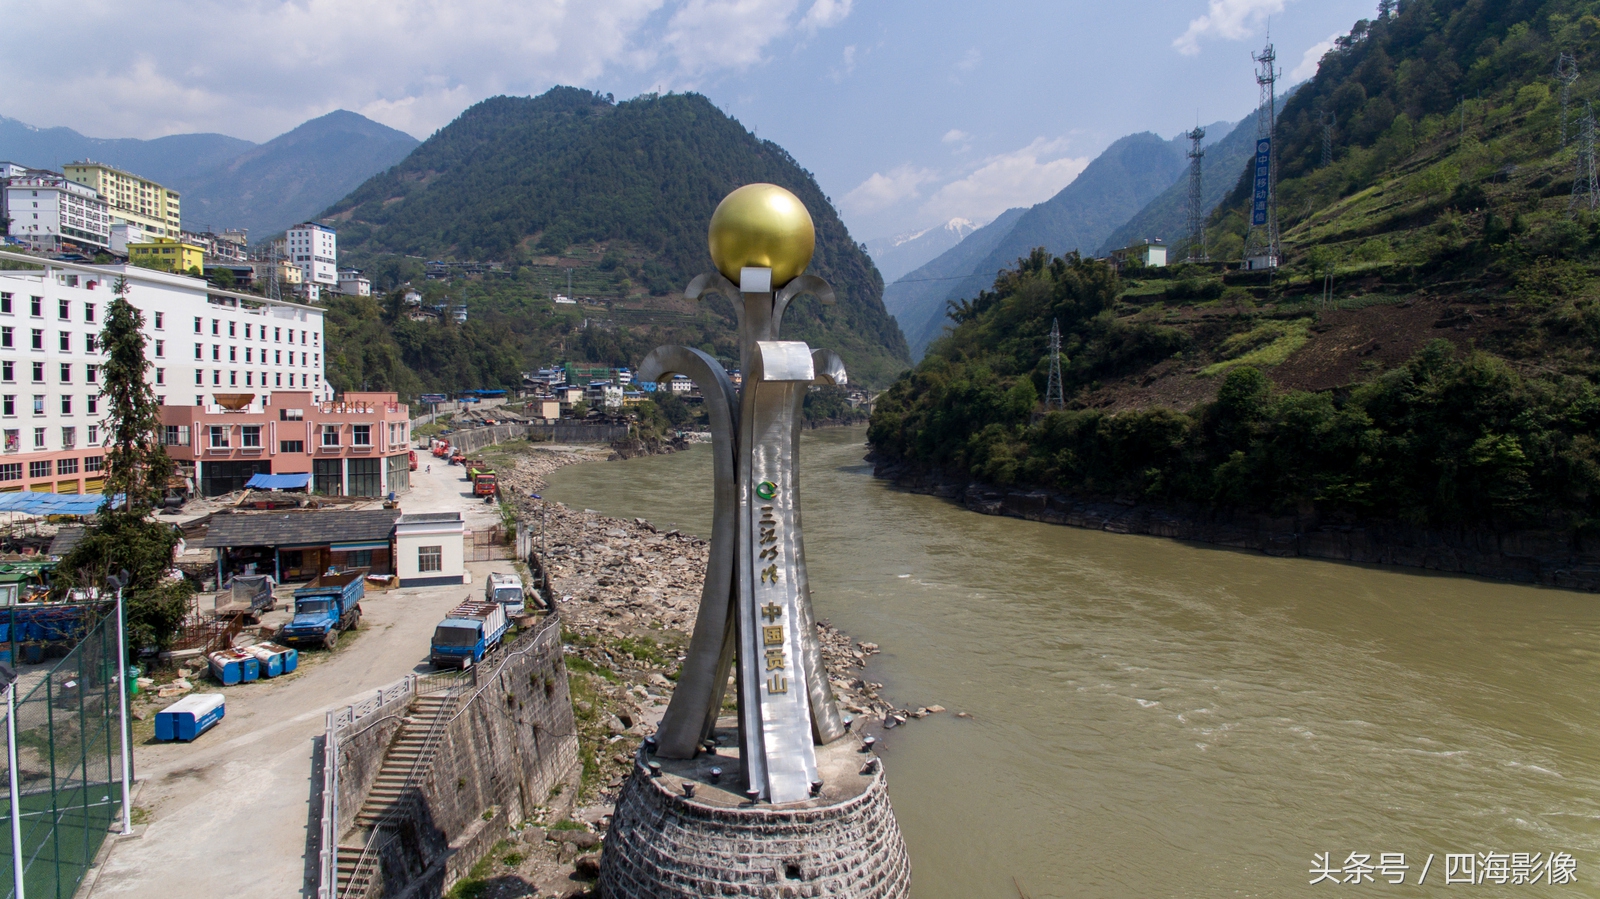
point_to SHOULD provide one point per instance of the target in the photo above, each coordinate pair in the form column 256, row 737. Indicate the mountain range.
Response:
column 898, row 255
column 529, row 191
column 1113, row 188
column 226, row 182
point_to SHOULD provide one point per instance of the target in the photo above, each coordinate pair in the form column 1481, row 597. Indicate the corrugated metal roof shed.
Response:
column 308, row 528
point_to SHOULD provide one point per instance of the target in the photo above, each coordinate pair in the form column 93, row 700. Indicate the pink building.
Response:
column 358, row 445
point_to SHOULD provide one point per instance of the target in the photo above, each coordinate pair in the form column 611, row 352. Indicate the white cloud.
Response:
column 1313, row 58
column 881, row 191
column 826, row 14
column 970, row 60
column 1019, row 178
column 846, row 65
column 1228, row 19
column 956, row 136
column 411, row 64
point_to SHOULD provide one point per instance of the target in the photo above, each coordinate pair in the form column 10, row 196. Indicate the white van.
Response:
column 505, row 589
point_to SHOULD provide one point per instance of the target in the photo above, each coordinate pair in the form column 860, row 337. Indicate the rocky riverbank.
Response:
column 628, row 596
column 1548, row 558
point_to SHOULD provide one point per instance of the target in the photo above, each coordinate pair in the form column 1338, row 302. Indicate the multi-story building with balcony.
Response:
column 131, row 199
column 200, row 340
column 357, row 446
column 50, row 212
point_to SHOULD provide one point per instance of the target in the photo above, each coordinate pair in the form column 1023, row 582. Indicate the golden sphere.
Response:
column 762, row 226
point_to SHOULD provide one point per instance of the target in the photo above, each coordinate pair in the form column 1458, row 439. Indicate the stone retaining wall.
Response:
column 511, row 740
column 662, row 846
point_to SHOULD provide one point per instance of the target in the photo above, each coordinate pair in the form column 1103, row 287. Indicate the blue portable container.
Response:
column 274, row 659
column 189, row 717
column 233, row 666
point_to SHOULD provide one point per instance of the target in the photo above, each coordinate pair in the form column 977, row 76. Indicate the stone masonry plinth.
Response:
column 845, row 843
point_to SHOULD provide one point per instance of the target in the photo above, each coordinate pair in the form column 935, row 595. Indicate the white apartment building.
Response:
column 314, row 249
column 201, row 342
column 351, row 284
column 46, row 209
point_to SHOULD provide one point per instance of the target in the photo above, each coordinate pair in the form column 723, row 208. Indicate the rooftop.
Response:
column 300, row 528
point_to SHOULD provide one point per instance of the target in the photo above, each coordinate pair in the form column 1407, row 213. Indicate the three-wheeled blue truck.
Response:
column 331, row 603
column 467, row 634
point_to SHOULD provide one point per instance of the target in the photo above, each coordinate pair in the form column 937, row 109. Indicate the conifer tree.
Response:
column 137, row 467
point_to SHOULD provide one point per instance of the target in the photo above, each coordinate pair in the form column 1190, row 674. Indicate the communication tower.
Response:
column 1053, row 396
column 1328, row 122
column 1585, row 181
column 1261, row 247
column 1566, row 73
column 1197, row 207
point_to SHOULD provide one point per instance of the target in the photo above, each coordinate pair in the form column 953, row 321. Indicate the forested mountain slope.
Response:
column 1426, row 355
column 524, row 192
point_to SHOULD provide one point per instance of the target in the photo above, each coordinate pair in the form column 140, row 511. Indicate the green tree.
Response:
column 137, row 469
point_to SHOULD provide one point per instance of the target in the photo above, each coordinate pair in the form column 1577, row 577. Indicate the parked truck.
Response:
column 484, row 483
column 467, row 634
column 331, row 603
column 505, row 589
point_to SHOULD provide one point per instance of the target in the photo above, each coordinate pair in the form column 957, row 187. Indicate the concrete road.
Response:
column 230, row 814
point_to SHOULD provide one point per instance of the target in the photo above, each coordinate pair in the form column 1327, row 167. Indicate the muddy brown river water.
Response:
column 1152, row 718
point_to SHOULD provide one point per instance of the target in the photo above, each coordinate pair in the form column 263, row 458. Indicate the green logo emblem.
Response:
column 766, row 490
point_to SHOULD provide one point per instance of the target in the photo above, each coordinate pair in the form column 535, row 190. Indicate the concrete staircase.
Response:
column 404, row 763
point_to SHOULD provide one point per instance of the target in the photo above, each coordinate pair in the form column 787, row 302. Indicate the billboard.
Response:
column 1258, row 210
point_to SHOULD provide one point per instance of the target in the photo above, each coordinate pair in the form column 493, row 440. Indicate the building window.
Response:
column 94, row 435
column 38, row 438
column 197, row 325
column 246, row 330
column 161, row 349
column 91, row 343
column 327, row 476
column 175, row 435
column 199, row 379
column 361, row 558
column 94, row 404
column 233, row 354
column 277, row 355
column 161, row 319
column 66, row 404
column 38, row 404
column 216, row 327
column 88, row 314
column 11, row 471
column 69, row 438
column 277, row 379
column 219, row 435
column 91, row 374
column 291, row 414
column 65, row 310
column 216, row 377
column 250, row 436
column 161, row 377
column 216, row 352
column 36, row 307
column 5, row 303
column 38, row 372
column 13, row 440
column 38, row 338
column 8, row 337
column 233, row 329
column 93, row 463
column 39, row 469
column 64, row 340
column 233, row 379
column 8, row 405
column 66, row 372
column 291, row 446
column 330, row 435
column 361, row 435
column 249, row 379
column 430, row 558
column 277, row 335
column 249, row 354
column 66, row 466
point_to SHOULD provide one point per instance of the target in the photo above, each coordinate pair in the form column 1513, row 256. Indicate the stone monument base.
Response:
column 664, row 843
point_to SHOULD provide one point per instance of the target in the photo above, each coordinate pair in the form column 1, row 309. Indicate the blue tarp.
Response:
column 51, row 503
column 280, row 481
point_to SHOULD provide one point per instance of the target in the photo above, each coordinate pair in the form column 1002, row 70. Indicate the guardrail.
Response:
column 330, row 811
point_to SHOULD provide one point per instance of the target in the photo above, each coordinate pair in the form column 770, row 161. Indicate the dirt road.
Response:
column 232, row 814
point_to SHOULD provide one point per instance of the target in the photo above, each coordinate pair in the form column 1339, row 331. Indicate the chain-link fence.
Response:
column 69, row 769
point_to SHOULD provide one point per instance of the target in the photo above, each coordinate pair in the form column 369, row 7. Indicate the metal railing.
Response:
column 330, row 811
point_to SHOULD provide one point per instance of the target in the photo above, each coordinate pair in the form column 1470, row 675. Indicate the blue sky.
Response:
column 909, row 113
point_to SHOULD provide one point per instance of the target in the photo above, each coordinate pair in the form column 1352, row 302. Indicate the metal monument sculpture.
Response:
column 755, row 609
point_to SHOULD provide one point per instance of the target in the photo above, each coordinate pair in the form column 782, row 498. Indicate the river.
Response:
column 1154, row 718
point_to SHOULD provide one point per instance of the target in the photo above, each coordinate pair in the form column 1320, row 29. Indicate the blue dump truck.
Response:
column 329, row 604
column 467, row 633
